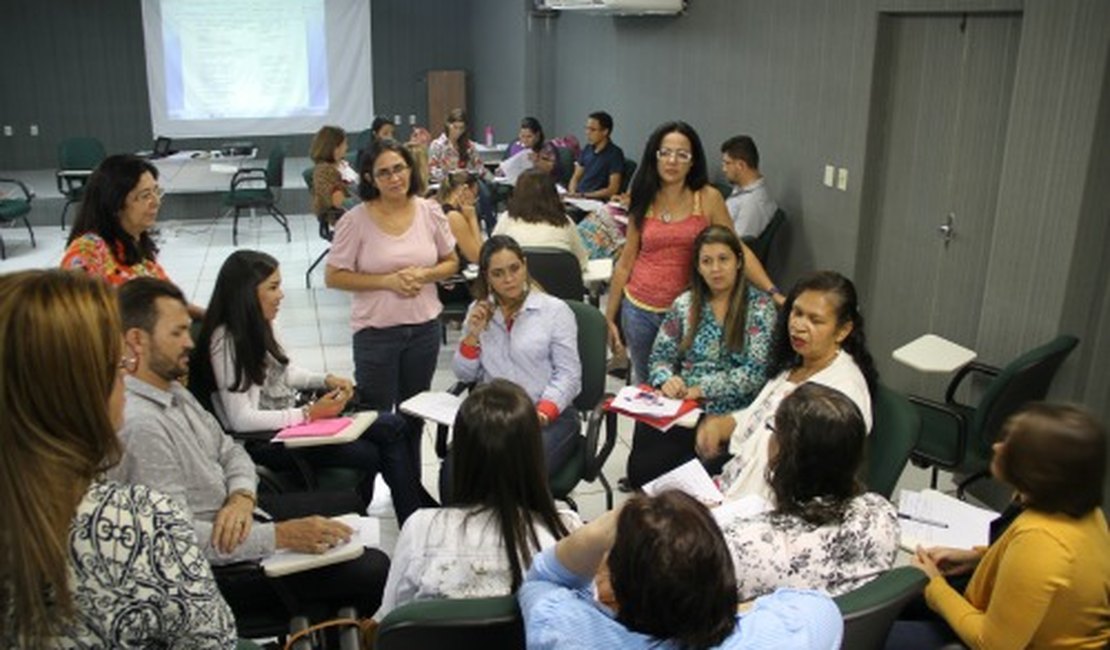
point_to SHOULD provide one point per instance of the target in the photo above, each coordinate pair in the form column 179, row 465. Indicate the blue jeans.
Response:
column 394, row 363
column 639, row 328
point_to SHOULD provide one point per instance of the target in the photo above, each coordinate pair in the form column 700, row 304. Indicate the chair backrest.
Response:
column 275, row 167
column 80, row 153
column 897, row 425
column 564, row 165
column 464, row 623
column 627, row 173
column 762, row 244
column 592, row 334
column 307, row 175
column 869, row 611
column 1023, row 380
column 557, row 271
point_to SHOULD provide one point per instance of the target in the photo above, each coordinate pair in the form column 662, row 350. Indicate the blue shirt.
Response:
column 539, row 353
column 598, row 166
column 560, row 612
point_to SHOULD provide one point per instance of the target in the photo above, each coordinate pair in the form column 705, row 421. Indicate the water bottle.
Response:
column 489, row 136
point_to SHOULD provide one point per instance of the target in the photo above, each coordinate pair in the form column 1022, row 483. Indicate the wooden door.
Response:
column 446, row 91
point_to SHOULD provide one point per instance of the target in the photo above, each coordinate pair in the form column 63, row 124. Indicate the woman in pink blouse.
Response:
column 389, row 251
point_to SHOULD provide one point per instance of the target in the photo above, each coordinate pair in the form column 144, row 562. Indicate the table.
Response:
column 198, row 171
column 597, row 271
column 932, row 353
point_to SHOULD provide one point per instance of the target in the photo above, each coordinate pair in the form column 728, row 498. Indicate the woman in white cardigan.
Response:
column 240, row 365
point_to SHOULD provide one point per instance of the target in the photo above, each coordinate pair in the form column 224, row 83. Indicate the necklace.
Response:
column 667, row 216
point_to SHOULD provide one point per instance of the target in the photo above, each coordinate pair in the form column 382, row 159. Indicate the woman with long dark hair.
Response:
column 253, row 386
column 501, row 511
column 86, row 562
column 819, row 337
column 671, row 202
column 536, row 217
column 540, row 150
column 821, row 531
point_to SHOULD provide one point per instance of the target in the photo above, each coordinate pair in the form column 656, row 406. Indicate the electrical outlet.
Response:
column 8, row 130
column 412, row 119
column 830, row 172
column 842, row 179
column 34, row 129
column 397, row 120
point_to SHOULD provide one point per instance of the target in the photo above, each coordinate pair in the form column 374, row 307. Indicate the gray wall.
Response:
column 76, row 67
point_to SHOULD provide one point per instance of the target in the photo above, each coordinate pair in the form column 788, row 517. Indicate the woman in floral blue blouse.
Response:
column 713, row 346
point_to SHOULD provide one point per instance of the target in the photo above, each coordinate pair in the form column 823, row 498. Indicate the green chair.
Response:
column 77, row 158
column 870, row 611
column 761, row 245
column 896, row 429
column 958, row 437
column 462, row 623
column 14, row 207
column 564, row 165
column 557, row 271
column 245, row 191
column 627, row 173
column 588, row 459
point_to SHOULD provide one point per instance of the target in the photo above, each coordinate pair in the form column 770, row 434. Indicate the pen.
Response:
column 923, row 520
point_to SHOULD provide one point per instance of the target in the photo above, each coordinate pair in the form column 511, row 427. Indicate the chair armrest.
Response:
column 27, row 192
column 974, row 366
column 595, row 458
column 70, row 179
column 442, row 430
column 247, row 175
column 945, row 409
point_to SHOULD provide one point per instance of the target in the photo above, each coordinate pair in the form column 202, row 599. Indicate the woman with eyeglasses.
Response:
column 111, row 237
column 390, row 251
column 671, row 202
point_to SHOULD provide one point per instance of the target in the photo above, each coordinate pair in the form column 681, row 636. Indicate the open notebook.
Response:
column 931, row 518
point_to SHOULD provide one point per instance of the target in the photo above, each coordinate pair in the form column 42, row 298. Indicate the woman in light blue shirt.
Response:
column 514, row 331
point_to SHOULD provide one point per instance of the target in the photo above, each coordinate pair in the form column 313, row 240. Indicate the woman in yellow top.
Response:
column 1045, row 582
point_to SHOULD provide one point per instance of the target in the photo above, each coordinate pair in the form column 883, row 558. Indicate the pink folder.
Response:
column 317, row 429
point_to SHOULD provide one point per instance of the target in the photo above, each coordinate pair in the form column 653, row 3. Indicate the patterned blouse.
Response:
column 138, row 578
column 772, row 550
column 443, row 158
column 729, row 380
column 90, row 253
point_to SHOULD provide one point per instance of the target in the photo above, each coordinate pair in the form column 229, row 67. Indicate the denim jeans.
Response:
column 394, row 363
column 639, row 328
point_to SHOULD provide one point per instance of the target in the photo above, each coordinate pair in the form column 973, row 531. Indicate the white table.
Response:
column 932, row 353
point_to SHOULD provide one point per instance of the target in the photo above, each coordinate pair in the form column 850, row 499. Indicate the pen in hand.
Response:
column 922, row 520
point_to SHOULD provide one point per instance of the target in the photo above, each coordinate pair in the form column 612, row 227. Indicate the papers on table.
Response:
column 327, row 431
column 367, row 534
column 931, row 518
column 437, row 406
column 691, row 478
column 586, row 205
column 511, row 169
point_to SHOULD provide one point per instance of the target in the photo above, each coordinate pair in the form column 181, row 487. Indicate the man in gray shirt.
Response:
column 750, row 205
column 173, row 445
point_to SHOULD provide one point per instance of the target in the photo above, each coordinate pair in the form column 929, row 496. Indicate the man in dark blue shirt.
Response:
column 597, row 173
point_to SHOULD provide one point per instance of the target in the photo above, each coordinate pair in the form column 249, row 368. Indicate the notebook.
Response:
column 434, row 405
column 329, row 431
column 931, row 518
column 285, row 562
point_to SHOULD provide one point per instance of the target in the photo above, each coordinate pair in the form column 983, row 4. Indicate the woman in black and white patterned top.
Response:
column 87, row 563
column 820, row 532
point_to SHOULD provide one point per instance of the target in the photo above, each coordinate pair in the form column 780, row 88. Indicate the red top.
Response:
column 662, row 269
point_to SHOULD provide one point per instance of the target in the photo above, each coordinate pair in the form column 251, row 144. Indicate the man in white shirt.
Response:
column 750, row 205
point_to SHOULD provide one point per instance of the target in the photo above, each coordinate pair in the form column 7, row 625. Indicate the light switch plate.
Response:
column 842, row 179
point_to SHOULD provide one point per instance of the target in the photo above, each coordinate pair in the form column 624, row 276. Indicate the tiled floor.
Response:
column 313, row 322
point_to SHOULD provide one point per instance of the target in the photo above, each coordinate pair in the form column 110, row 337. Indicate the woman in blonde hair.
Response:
column 87, row 562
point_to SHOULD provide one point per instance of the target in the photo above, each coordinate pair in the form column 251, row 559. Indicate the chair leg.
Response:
column 308, row 273
column 235, row 228
column 933, row 481
column 29, row 231
column 65, row 207
column 4, row 253
column 280, row 217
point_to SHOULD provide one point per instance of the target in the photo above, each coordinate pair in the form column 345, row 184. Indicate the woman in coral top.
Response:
column 1045, row 582
column 671, row 203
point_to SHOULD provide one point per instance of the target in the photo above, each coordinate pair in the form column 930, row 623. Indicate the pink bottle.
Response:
column 489, row 136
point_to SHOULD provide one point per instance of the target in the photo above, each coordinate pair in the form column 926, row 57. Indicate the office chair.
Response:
column 464, row 623
column 77, row 158
column 897, row 426
column 870, row 611
column 557, row 271
column 627, row 173
column 245, row 192
column 958, row 437
column 13, row 207
column 564, row 165
column 761, row 245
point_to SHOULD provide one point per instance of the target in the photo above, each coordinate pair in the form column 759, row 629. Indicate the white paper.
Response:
column 285, row 561
column 964, row 526
column 368, row 530
column 437, row 406
column 586, row 205
column 631, row 399
column 742, row 508
column 511, row 169
column 691, row 478
column 598, row 270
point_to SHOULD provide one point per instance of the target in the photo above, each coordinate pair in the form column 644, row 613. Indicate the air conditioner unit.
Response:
column 619, row 7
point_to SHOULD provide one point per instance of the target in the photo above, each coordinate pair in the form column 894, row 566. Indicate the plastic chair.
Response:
column 245, row 192
column 958, row 437
column 557, row 271
column 870, row 611
column 77, row 158
column 896, row 429
column 13, row 207
column 464, row 623
column 761, row 245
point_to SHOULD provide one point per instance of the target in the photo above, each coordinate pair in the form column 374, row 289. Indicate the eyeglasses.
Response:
column 681, row 155
column 386, row 173
column 128, row 363
column 146, row 196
